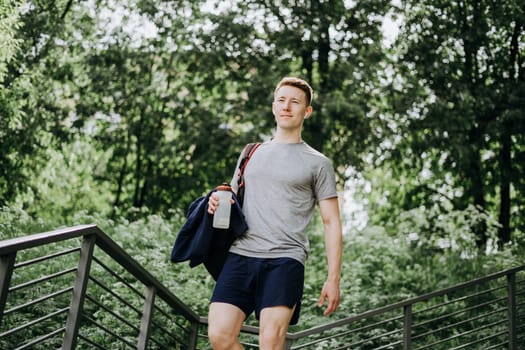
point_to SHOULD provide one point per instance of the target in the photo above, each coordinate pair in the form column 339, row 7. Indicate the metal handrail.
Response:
column 93, row 236
column 398, row 321
column 401, row 304
column 13, row 245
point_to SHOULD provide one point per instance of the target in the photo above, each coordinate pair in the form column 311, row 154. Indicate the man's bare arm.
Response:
column 334, row 247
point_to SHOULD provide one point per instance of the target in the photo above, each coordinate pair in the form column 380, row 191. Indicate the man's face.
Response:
column 289, row 107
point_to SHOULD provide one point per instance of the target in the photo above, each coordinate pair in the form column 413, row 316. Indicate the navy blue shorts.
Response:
column 253, row 284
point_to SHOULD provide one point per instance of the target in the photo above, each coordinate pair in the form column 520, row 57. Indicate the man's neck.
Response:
column 282, row 137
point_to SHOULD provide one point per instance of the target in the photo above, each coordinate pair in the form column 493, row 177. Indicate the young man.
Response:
column 264, row 271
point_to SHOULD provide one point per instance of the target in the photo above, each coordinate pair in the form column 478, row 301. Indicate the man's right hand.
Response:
column 213, row 202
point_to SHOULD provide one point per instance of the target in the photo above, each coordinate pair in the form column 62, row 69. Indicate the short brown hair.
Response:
column 298, row 83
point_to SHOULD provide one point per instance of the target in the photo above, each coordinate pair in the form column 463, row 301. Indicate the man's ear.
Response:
column 309, row 111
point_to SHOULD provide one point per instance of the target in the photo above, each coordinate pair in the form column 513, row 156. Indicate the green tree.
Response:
column 154, row 114
column 460, row 103
column 335, row 45
column 9, row 44
column 28, row 31
column 174, row 109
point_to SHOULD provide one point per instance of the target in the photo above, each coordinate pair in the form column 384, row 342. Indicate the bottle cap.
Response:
column 224, row 187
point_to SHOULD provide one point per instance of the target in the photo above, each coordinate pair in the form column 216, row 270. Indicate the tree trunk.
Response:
column 120, row 180
column 138, row 164
column 506, row 147
column 476, row 190
column 505, row 170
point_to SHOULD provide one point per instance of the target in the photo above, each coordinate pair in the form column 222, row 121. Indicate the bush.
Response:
column 379, row 266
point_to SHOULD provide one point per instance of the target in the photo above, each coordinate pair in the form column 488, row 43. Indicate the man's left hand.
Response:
column 331, row 293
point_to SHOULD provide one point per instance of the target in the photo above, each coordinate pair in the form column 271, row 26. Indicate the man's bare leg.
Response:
column 224, row 325
column 274, row 323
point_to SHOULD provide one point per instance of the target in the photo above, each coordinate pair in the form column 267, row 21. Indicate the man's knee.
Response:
column 273, row 326
column 224, row 325
column 222, row 338
column 272, row 337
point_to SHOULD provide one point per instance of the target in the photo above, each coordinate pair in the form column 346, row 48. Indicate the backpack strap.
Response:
column 247, row 153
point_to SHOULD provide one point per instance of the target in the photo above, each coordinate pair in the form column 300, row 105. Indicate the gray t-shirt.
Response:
column 283, row 183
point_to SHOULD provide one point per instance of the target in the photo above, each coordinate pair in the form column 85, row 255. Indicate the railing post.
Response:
column 288, row 344
column 194, row 333
column 79, row 293
column 407, row 327
column 145, row 321
column 6, row 271
column 511, row 310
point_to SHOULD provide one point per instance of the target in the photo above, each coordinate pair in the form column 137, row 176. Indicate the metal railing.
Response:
column 486, row 313
column 90, row 294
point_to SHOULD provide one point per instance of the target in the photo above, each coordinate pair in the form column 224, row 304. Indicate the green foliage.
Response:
column 124, row 122
column 379, row 267
column 68, row 183
column 15, row 221
column 9, row 44
column 169, row 107
column 455, row 105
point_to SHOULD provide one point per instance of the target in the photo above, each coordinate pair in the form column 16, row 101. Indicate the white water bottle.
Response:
column 221, row 218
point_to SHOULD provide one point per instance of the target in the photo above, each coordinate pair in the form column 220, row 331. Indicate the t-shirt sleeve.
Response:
column 325, row 186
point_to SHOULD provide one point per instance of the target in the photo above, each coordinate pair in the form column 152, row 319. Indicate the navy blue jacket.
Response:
column 198, row 242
